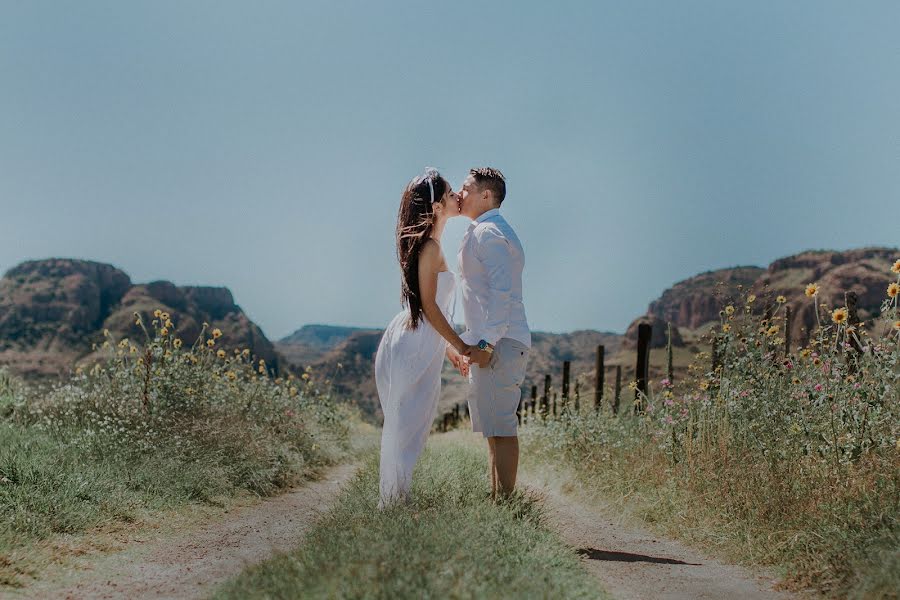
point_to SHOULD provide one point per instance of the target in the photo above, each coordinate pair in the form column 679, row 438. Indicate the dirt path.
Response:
column 192, row 563
column 632, row 563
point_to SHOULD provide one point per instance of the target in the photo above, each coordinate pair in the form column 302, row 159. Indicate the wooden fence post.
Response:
column 787, row 330
column 545, row 400
column 554, row 403
column 643, row 365
column 598, row 377
column 564, row 405
column 577, row 395
column 670, row 368
column 618, row 393
column 533, row 399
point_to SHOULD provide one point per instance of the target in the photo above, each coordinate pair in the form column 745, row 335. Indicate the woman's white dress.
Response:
column 408, row 376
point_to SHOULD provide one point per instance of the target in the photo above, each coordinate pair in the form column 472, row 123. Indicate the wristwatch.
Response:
column 483, row 345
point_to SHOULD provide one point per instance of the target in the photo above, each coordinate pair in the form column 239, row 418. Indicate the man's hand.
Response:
column 480, row 357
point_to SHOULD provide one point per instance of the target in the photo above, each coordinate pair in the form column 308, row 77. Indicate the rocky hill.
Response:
column 695, row 302
column 52, row 311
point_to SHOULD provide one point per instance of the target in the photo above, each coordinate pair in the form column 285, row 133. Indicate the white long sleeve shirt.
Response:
column 491, row 260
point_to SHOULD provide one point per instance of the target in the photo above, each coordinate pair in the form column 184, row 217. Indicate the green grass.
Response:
column 451, row 542
column 842, row 539
column 124, row 444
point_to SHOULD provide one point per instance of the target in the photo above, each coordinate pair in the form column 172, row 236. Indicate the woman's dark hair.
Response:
column 415, row 222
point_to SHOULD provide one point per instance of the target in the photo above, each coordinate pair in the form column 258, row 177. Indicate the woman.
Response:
column 411, row 353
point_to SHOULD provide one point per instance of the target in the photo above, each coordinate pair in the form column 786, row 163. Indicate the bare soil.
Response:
column 193, row 561
column 631, row 562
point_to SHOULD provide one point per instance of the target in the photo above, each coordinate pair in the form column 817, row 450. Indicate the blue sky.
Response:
column 263, row 146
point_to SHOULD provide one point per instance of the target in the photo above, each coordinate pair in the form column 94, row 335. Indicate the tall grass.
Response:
column 791, row 460
column 451, row 542
column 157, row 426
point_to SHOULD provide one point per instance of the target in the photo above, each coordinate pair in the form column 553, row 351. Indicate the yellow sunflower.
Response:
column 839, row 315
column 812, row 290
column 893, row 290
column 896, row 267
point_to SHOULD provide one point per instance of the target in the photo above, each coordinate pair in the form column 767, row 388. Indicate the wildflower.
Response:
column 780, row 299
column 210, row 343
column 177, row 343
column 839, row 316
column 897, row 325
column 795, row 428
column 812, row 290
column 729, row 310
column 245, row 352
column 262, row 368
column 133, row 350
column 665, row 383
column 305, row 376
column 818, row 387
column 293, row 391
column 805, row 352
column 896, row 267
column 169, row 324
column 751, row 298
column 262, row 361
column 817, row 361
column 123, row 343
column 704, row 385
column 795, row 381
column 231, row 375
column 164, row 331
column 216, row 333
column 157, row 313
column 772, row 330
column 164, row 316
column 279, row 381
column 137, row 321
column 893, row 290
column 631, row 386
column 220, row 354
column 726, row 328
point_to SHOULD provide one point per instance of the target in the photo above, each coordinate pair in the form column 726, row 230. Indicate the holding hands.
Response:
column 465, row 356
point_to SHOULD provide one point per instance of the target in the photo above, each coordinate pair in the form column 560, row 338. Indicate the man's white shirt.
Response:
column 491, row 260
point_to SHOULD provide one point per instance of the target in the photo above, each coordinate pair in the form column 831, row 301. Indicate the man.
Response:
column 491, row 260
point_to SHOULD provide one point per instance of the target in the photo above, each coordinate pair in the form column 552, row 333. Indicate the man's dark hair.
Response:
column 490, row 179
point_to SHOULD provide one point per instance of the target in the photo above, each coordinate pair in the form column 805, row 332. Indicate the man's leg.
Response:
column 506, row 458
column 492, row 466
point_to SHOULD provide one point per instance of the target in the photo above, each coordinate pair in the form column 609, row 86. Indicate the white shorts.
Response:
column 495, row 391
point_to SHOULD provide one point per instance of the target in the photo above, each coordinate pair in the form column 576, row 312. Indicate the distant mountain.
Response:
column 350, row 364
column 52, row 311
column 311, row 342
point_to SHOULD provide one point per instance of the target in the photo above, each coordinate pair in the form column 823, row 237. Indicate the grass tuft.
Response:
column 450, row 542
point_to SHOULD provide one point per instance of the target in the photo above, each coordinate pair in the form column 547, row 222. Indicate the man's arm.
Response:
column 494, row 252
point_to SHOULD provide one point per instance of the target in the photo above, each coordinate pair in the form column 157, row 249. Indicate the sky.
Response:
column 263, row 146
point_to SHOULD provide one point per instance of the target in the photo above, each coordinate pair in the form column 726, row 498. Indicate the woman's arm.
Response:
column 430, row 261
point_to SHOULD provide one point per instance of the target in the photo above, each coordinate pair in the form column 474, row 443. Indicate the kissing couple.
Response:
column 493, row 350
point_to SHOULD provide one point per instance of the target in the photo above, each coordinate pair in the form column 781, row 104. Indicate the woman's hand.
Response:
column 459, row 361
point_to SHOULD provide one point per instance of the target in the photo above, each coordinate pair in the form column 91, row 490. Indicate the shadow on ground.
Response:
column 594, row 554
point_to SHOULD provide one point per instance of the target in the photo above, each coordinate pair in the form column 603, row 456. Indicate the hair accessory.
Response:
column 430, row 172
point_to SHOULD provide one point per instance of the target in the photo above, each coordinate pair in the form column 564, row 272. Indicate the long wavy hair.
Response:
column 415, row 223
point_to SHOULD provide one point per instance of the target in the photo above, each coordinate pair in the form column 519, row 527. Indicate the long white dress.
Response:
column 408, row 376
